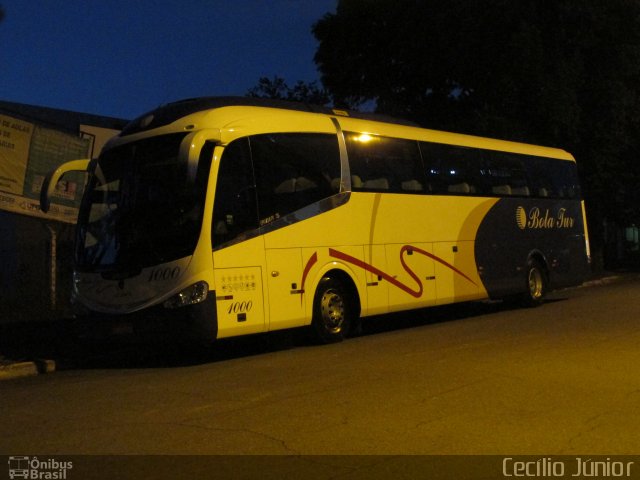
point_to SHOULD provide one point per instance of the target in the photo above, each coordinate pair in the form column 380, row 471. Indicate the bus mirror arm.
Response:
column 52, row 178
column 192, row 145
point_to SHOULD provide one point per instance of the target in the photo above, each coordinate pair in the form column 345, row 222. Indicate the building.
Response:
column 36, row 248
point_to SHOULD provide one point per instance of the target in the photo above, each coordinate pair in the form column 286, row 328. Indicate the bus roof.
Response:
column 170, row 112
column 349, row 120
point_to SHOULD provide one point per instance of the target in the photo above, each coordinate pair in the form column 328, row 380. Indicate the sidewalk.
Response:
column 28, row 348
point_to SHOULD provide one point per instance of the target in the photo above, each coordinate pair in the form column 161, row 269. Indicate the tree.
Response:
column 278, row 89
column 563, row 73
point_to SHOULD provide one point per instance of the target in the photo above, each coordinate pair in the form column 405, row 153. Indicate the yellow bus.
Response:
column 230, row 216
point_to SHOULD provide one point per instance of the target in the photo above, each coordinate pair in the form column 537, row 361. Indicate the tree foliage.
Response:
column 564, row 73
column 277, row 89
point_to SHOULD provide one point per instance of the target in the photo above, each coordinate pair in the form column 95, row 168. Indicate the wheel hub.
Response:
column 535, row 284
column 333, row 312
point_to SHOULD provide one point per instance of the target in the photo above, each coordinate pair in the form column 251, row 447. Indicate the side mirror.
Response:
column 52, row 178
column 191, row 147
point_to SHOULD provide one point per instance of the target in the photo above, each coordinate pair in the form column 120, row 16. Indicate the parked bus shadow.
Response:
column 57, row 340
column 439, row 314
column 427, row 316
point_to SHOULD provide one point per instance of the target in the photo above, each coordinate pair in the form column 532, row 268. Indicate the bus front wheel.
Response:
column 332, row 311
column 536, row 283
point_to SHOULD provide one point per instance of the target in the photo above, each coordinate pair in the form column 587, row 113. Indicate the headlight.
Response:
column 196, row 293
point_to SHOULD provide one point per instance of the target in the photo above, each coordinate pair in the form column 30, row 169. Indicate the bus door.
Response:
column 238, row 249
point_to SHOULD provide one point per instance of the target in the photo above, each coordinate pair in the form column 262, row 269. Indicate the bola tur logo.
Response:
column 537, row 219
column 521, row 218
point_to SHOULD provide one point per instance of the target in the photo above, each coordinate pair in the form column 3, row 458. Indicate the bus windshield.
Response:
column 139, row 208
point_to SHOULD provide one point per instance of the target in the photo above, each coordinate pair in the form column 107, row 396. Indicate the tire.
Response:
column 332, row 311
column 536, row 284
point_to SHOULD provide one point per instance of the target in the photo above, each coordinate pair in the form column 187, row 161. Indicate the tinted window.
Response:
column 293, row 170
column 503, row 174
column 458, row 170
column 235, row 214
column 553, row 178
column 384, row 164
column 450, row 169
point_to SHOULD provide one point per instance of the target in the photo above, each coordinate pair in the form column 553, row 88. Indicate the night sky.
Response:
column 124, row 57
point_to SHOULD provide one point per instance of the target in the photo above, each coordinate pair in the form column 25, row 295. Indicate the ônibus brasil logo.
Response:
column 537, row 219
column 34, row 468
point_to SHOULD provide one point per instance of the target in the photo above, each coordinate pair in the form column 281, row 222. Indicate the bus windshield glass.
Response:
column 139, row 208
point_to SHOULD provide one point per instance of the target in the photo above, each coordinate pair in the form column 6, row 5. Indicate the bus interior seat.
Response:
column 293, row 185
column 459, row 188
column 220, row 228
column 287, row 186
column 522, row 191
column 356, row 181
column 303, row 183
column 543, row 192
column 501, row 189
column 412, row 186
column 377, row 184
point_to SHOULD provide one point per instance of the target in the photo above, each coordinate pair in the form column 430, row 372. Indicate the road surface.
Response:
column 562, row 379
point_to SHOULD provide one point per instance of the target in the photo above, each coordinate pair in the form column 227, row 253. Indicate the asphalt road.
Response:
column 561, row 379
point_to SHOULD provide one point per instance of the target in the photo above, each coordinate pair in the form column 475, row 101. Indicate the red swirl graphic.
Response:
column 416, row 293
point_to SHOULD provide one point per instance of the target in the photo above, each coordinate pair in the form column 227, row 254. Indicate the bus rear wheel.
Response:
column 536, row 282
column 332, row 311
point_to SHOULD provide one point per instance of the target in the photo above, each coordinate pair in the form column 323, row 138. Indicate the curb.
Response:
column 26, row 369
column 602, row 281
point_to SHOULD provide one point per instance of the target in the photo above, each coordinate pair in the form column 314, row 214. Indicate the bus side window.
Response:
column 234, row 210
column 385, row 164
column 450, row 169
column 565, row 175
column 294, row 170
column 543, row 176
column 504, row 174
column 552, row 178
